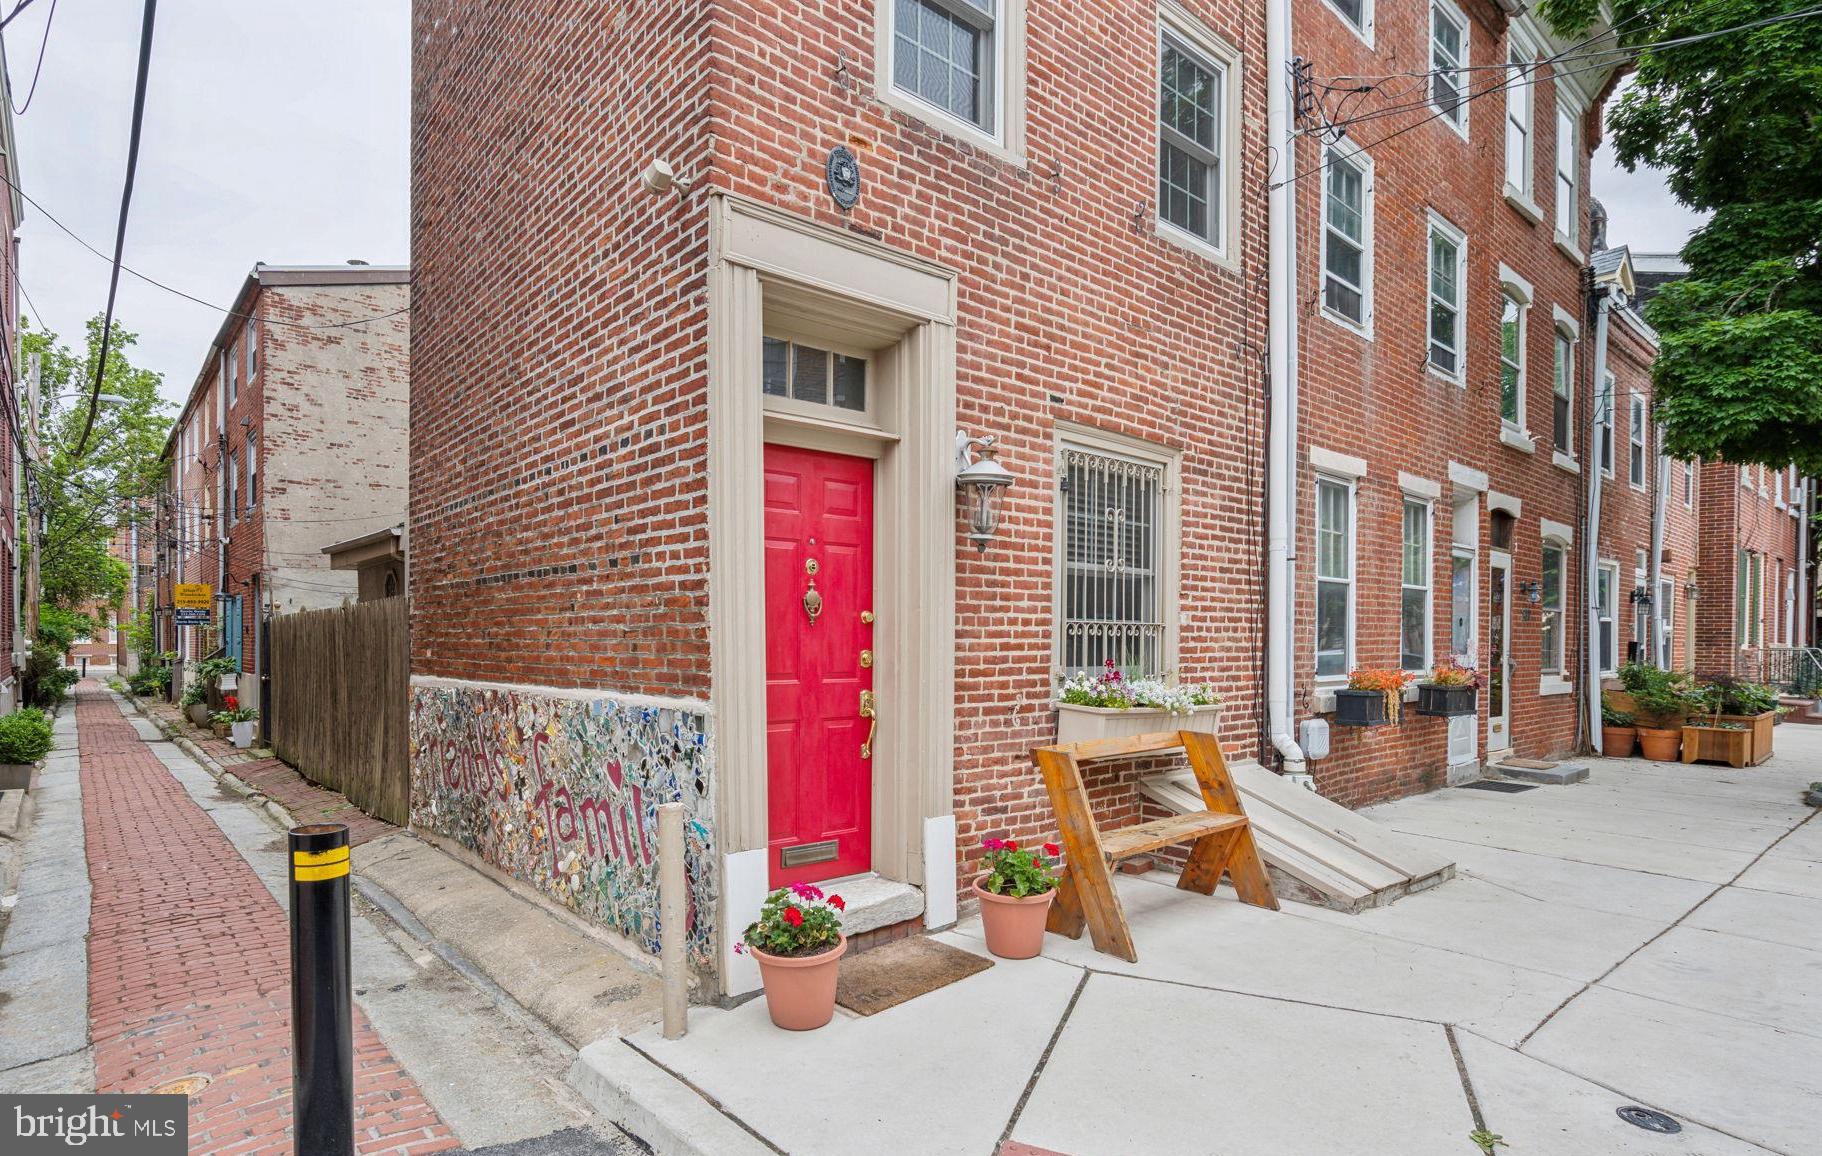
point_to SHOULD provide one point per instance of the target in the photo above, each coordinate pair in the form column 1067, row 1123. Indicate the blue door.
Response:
column 231, row 629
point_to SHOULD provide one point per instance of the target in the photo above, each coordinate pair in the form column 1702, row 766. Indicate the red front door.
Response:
column 819, row 677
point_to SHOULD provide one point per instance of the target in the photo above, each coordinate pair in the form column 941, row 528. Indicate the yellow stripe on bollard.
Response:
column 318, row 858
column 318, row 874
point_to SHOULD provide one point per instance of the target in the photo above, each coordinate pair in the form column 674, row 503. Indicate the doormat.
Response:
column 1494, row 785
column 888, row 976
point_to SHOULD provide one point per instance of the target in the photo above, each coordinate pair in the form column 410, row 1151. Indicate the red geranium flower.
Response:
column 838, row 903
column 230, row 702
column 1011, row 846
column 793, row 917
column 1052, row 850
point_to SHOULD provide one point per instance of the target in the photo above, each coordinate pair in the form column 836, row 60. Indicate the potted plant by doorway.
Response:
column 1450, row 691
column 25, row 737
column 1015, row 889
column 1661, row 701
column 240, row 724
column 798, row 943
column 1372, row 698
column 195, row 703
column 1618, row 735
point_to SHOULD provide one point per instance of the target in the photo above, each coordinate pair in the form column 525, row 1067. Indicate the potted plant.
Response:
column 1110, row 705
column 25, row 737
column 1753, row 704
column 1372, row 698
column 223, row 719
column 1450, row 691
column 195, row 702
column 798, row 943
column 1661, row 701
column 1015, row 888
column 240, row 723
column 1617, row 732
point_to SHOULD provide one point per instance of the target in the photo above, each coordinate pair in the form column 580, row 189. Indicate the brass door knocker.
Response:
column 812, row 598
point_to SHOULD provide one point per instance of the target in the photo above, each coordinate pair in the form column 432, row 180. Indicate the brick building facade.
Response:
column 765, row 268
column 293, row 437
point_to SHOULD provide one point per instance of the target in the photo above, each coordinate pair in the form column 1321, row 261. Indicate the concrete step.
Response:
column 1802, row 710
column 874, row 902
column 1534, row 771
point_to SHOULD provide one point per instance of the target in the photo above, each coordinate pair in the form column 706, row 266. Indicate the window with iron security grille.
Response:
column 1113, row 546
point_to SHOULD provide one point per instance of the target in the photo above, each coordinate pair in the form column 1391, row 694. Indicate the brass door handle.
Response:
column 871, row 714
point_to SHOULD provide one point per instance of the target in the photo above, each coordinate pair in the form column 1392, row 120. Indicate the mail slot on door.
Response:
column 804, row 854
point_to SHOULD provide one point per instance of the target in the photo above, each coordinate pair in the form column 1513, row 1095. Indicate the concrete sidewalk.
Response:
column 1650, row 937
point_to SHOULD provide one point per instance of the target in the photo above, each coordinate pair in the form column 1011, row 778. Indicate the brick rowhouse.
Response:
column 292, row 438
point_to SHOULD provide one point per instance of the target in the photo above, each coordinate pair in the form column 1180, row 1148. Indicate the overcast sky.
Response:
column 274, row 131
column 279, row 132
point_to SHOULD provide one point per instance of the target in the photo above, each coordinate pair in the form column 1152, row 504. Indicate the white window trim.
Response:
column 1337, row 464
column 1007, row 140
column 1523, row 197
column 1070, row 435
column 1569, row 243
column 1438, row 223
column 1520, row 290
column 1353, row 579
column 1638, row 439
column 1689, row 485
column 1464, row 65
column 1429, row 586
column 1612, row 569
column 1609, row 386
column 1177, row 22
column 1355, row 155
column 1365, row 29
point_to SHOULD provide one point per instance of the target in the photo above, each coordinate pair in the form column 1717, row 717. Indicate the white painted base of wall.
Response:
column 939, row 871
column 743, row 892
column 1460, row 773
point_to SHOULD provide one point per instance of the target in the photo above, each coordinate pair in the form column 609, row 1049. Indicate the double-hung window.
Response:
column 1346, row 259
column 1414, row 607
column 1689, row 485
column 1755, row 586
column 252, row 346
column 1512, row 361
column 1550, row 610
column 1606, row 589
column 230, row 365
column 1113, row 565
column 1568, row 210
column 1448, row 55
column 1519, row 91
column 231, row 486
column 1636, row 439
column 1334, row 577
column 1192, row 131
column 1562, row 385
column 1358, row 13
column 1603, row 404
column 945, row 53
column 1448, row 251
column 252, row 470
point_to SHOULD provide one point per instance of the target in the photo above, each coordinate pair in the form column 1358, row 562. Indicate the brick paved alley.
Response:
column 189, row 968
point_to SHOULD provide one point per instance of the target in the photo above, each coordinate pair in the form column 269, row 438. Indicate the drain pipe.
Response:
column 1605, row 298
column 1281, row 372
column 1806, row 610
column 1654, row 571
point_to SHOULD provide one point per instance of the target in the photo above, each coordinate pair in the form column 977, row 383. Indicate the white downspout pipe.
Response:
column 1654, row 570
column 1806, row 611
column 1281, row 373
column 1606, row 296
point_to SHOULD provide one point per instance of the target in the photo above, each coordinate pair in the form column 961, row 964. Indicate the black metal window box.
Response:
column 1445, row 701
column 1360, row 708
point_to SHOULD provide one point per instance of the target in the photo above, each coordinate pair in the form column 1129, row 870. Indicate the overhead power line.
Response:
column 120, row 230
column 43, row 43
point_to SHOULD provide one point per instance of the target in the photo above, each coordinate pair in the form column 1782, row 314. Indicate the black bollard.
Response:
column 322, row 993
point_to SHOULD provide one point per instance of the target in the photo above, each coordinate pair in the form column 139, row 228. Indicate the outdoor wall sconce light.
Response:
column 981, row 481
column 1641, row 596
column 1692, row 591
column 1532, row 591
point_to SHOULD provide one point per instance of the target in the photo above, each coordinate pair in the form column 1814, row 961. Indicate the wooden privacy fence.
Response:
column 338, row 701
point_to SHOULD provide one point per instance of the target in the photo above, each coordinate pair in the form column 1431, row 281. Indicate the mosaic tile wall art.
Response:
column 562, row 793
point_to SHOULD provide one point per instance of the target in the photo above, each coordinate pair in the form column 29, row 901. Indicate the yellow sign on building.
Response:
column 193, row 596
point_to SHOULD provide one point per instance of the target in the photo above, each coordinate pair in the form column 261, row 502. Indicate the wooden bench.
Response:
column 1221, row 836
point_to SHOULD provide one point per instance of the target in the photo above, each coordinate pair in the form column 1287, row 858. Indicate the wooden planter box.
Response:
column 1446, row 701
column 1080, row 723
column 1360, row 708
column 1713, row 745
column 1759, row 727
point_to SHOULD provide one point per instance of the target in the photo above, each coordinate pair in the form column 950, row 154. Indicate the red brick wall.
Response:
column 1375, row 399
column 558, row 494
column 1757, row 524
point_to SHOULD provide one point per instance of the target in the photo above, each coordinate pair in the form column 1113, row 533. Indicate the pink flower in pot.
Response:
column 1015, row 889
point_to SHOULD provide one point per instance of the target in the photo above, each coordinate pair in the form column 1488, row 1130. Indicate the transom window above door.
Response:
column 818, row 377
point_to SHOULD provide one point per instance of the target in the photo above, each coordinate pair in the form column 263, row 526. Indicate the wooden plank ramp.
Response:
column 1316, row 850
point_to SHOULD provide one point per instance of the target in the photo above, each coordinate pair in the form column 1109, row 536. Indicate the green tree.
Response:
column 1735, row 123
column 86, row 501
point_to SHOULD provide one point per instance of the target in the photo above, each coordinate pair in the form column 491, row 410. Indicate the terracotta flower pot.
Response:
column 1015, row 927
column 1660, row 746
column 1616, row 742
column 800, row 990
